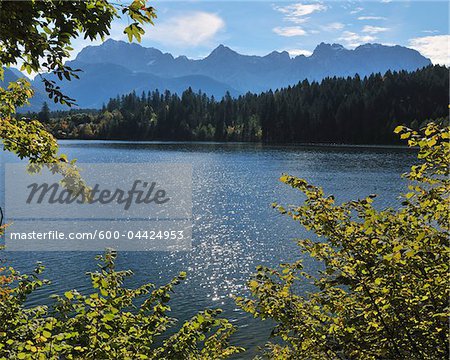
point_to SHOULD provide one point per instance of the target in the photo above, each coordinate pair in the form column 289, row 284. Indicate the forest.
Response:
column 349, row 110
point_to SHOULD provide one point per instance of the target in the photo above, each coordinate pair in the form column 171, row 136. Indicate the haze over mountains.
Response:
column 117, row 67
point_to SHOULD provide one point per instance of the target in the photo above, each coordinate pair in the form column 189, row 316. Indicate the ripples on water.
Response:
column 235, row 227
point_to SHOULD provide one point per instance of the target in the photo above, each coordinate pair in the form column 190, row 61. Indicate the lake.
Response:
column 235, row 227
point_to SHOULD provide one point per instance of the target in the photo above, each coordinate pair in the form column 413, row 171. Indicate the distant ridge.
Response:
column 117, row 67
column 259, row 73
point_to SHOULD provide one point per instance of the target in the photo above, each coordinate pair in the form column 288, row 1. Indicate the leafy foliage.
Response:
column 383, row 292
column 337, row 110
column 39, row 33
column 30, row 140
column 113, row 322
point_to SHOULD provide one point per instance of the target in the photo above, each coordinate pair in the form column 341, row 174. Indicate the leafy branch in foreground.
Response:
column 383, row 292
column 30, row 140
column 113, row 322
column 38, row 35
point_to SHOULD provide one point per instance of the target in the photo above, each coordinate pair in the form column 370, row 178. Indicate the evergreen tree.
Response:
column 44, row 114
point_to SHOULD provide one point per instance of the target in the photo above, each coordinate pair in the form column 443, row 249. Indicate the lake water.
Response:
column 235, row 227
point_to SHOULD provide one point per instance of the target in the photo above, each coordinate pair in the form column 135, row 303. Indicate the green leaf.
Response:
column 108, row 317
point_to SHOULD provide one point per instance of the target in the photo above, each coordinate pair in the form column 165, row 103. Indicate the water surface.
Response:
column 235, row 227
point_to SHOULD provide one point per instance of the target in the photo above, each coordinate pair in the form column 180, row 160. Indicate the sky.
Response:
column 194, row 28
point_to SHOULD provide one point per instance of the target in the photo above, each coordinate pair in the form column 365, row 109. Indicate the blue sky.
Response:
column 195, row 28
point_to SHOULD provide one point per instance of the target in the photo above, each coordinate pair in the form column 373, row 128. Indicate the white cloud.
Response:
column 356, row 10
column 191, row 29
column 430, row 31
column 353, row 40
column 289, row 31
column 371, row 18
column 434, row 47
column 296, row 12
column 374, row 29
column 297, row 52
column 334, row 26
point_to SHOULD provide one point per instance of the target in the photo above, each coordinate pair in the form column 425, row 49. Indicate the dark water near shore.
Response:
column 235, row 227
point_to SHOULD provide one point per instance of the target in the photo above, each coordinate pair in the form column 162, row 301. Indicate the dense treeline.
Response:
column 336, row 110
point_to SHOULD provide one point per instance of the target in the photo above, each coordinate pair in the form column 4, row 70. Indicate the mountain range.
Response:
column 117, row 67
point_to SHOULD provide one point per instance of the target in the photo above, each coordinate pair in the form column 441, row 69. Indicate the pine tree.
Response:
column 44, row 114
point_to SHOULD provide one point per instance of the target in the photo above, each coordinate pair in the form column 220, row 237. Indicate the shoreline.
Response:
column 246, row 143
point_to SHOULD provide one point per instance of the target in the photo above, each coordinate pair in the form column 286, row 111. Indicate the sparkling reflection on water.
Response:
column 235, row 227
